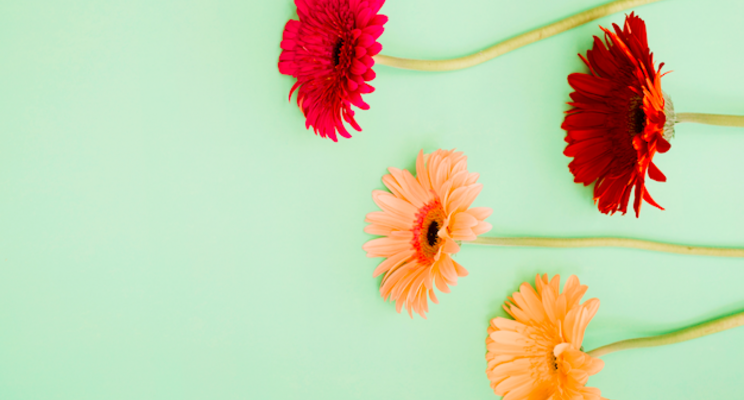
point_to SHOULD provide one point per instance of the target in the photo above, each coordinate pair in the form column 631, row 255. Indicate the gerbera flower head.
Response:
column 617, row 123
column 422, row 219
column 538, row 354
column 329, row 50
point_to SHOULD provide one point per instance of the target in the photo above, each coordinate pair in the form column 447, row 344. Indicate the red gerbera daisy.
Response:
column 329, row 50
column 618, row 121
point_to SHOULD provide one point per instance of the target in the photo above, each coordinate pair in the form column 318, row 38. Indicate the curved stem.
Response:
column 693, row 332
column 513, row 43
column 609, row 242
column 712, row 119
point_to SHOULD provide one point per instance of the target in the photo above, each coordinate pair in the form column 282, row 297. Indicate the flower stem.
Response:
column 513, row 43
column 711, row 119
column 609, row 242
column 692, row 332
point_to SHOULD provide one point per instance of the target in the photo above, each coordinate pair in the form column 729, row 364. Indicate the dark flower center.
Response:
column 554, row 362
column 432, row 234
column 636, row 116
column 426, row 241
column 336, row 54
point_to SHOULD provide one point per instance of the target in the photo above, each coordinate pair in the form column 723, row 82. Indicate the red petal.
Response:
column 364, row 88
column 656, row 174
column 365, row 40
column 584, row 120
column 351, row 85
column 662, row 146
column 590, row 84
column 588, row 147
column 375, row 31
column 363, row 18
column 379, row 20
column 357, row 67
column 287, row 67
column 374, row 49
column 287, row 44
column 651, row 201
column 369, row 75
column 584, row 134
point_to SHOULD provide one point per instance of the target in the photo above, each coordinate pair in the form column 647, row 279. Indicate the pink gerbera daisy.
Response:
column 422, row 220
column 329, row 50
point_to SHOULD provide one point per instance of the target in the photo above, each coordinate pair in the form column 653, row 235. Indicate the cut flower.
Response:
column 617, row 123
column 538, row 355
column 329, row 50
column 422, row 220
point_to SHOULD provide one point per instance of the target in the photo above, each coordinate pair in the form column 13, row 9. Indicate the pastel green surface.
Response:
column 171, row 231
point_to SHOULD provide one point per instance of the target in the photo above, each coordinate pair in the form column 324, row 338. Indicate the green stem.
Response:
column 711, row 119
column 513, row 43
column 609, row 242
column 693, row 332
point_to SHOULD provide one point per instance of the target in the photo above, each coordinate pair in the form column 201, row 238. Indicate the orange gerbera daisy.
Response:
column 422, row 220
column 538, row 355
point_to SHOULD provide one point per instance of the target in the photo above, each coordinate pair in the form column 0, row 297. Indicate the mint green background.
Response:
column 171, row 231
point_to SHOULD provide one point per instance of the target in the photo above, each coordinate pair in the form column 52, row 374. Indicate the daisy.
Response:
column 422, row 219
column 538, row 354
column 329, row 50
column 617, row 124
column 621, row 119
